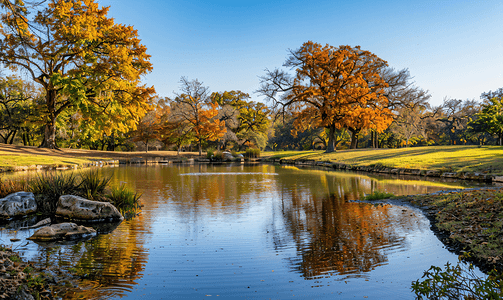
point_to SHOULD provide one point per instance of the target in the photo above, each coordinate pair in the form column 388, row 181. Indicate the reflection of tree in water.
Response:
column 107, row 266
column 334, row 236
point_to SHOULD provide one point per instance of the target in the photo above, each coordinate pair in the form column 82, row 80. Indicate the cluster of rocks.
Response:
column 69, row 208
column 395, row 171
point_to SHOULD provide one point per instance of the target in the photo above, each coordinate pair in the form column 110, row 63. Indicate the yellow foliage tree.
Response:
column 82, row 60
column 333, row 88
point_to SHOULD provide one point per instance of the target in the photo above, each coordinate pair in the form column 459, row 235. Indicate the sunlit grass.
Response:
column 8, row 160
column 453, row 158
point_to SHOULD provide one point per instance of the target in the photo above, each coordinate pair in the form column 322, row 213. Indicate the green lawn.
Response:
column 453, row 158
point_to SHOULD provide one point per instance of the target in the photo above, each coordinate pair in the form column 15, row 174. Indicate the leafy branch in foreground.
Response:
column 458, row 282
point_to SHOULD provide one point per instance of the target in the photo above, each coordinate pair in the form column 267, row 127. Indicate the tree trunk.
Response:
column 50, row 127
column 331, row 146
column 200, row 148
column 354, row 138
column 49, row 136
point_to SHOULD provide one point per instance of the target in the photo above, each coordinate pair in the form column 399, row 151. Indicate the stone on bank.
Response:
column 80, row 209
column 17, row 205
column 62, row 231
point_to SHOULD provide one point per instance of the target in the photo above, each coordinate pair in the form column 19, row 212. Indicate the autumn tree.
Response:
column 195, row 110
column 82, row 59
column 332, row 88
column 148, row 129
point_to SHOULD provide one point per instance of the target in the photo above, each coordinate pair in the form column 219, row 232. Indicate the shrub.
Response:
column 210, row 153
column 218, row 156
column 252, row 153
column 377, row 195
column 93, row 185
column 126, row 200
column 458, row 282
column 49, row 187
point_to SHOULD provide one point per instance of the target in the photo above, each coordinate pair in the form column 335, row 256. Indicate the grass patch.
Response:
column 93, row 185
column 8, row 187
column 49, row 187
column 453, row 158
column 126, row 200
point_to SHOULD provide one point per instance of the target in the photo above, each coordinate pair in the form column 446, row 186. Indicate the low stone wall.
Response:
column 395, row 171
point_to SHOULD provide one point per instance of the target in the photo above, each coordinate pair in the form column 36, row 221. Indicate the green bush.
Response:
column 210, row 153
column 377, row 195
column 458, row 282
column 252, row 153
column 126, row 200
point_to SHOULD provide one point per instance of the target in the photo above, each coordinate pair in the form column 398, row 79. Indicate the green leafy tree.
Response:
column 490, row 118
column 16, row 107
column 250, row 124
column 81, row 59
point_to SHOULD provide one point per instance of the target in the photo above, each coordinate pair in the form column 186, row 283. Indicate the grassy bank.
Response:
column 15, row 157
column 471, row 221
column 485, row 159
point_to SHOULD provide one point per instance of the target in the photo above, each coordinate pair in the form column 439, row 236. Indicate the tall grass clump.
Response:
column 125, row 200
column 252, row 153
column 49, row 187
column 92, row 185
column 8, row 187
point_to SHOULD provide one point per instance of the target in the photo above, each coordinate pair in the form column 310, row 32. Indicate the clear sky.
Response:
column 453, row 48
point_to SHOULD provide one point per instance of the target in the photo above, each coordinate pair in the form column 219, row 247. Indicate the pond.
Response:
column 252, row 231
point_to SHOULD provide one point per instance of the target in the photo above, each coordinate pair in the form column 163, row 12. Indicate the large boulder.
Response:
column 62, row 231
column 17, row 205
column 80, row 209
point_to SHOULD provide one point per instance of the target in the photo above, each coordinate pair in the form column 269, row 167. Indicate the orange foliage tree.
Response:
column 193, row 107
column 332, row 87
column 81, row 58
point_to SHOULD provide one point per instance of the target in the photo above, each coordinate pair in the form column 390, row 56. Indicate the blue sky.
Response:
column 454, row 49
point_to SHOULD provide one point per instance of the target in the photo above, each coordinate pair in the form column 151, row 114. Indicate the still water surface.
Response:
column 260, row 231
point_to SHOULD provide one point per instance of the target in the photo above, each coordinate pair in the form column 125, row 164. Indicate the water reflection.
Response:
column 334, row 236
column 252, row 231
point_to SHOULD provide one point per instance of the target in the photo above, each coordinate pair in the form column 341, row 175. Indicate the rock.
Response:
column 44, row 222
column 226, row 156
column 62, row 231
column 77, row 208
column 17, row 205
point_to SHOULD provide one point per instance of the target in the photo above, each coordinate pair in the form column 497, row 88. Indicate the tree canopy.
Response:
column 333, row 87
column 82, row 59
